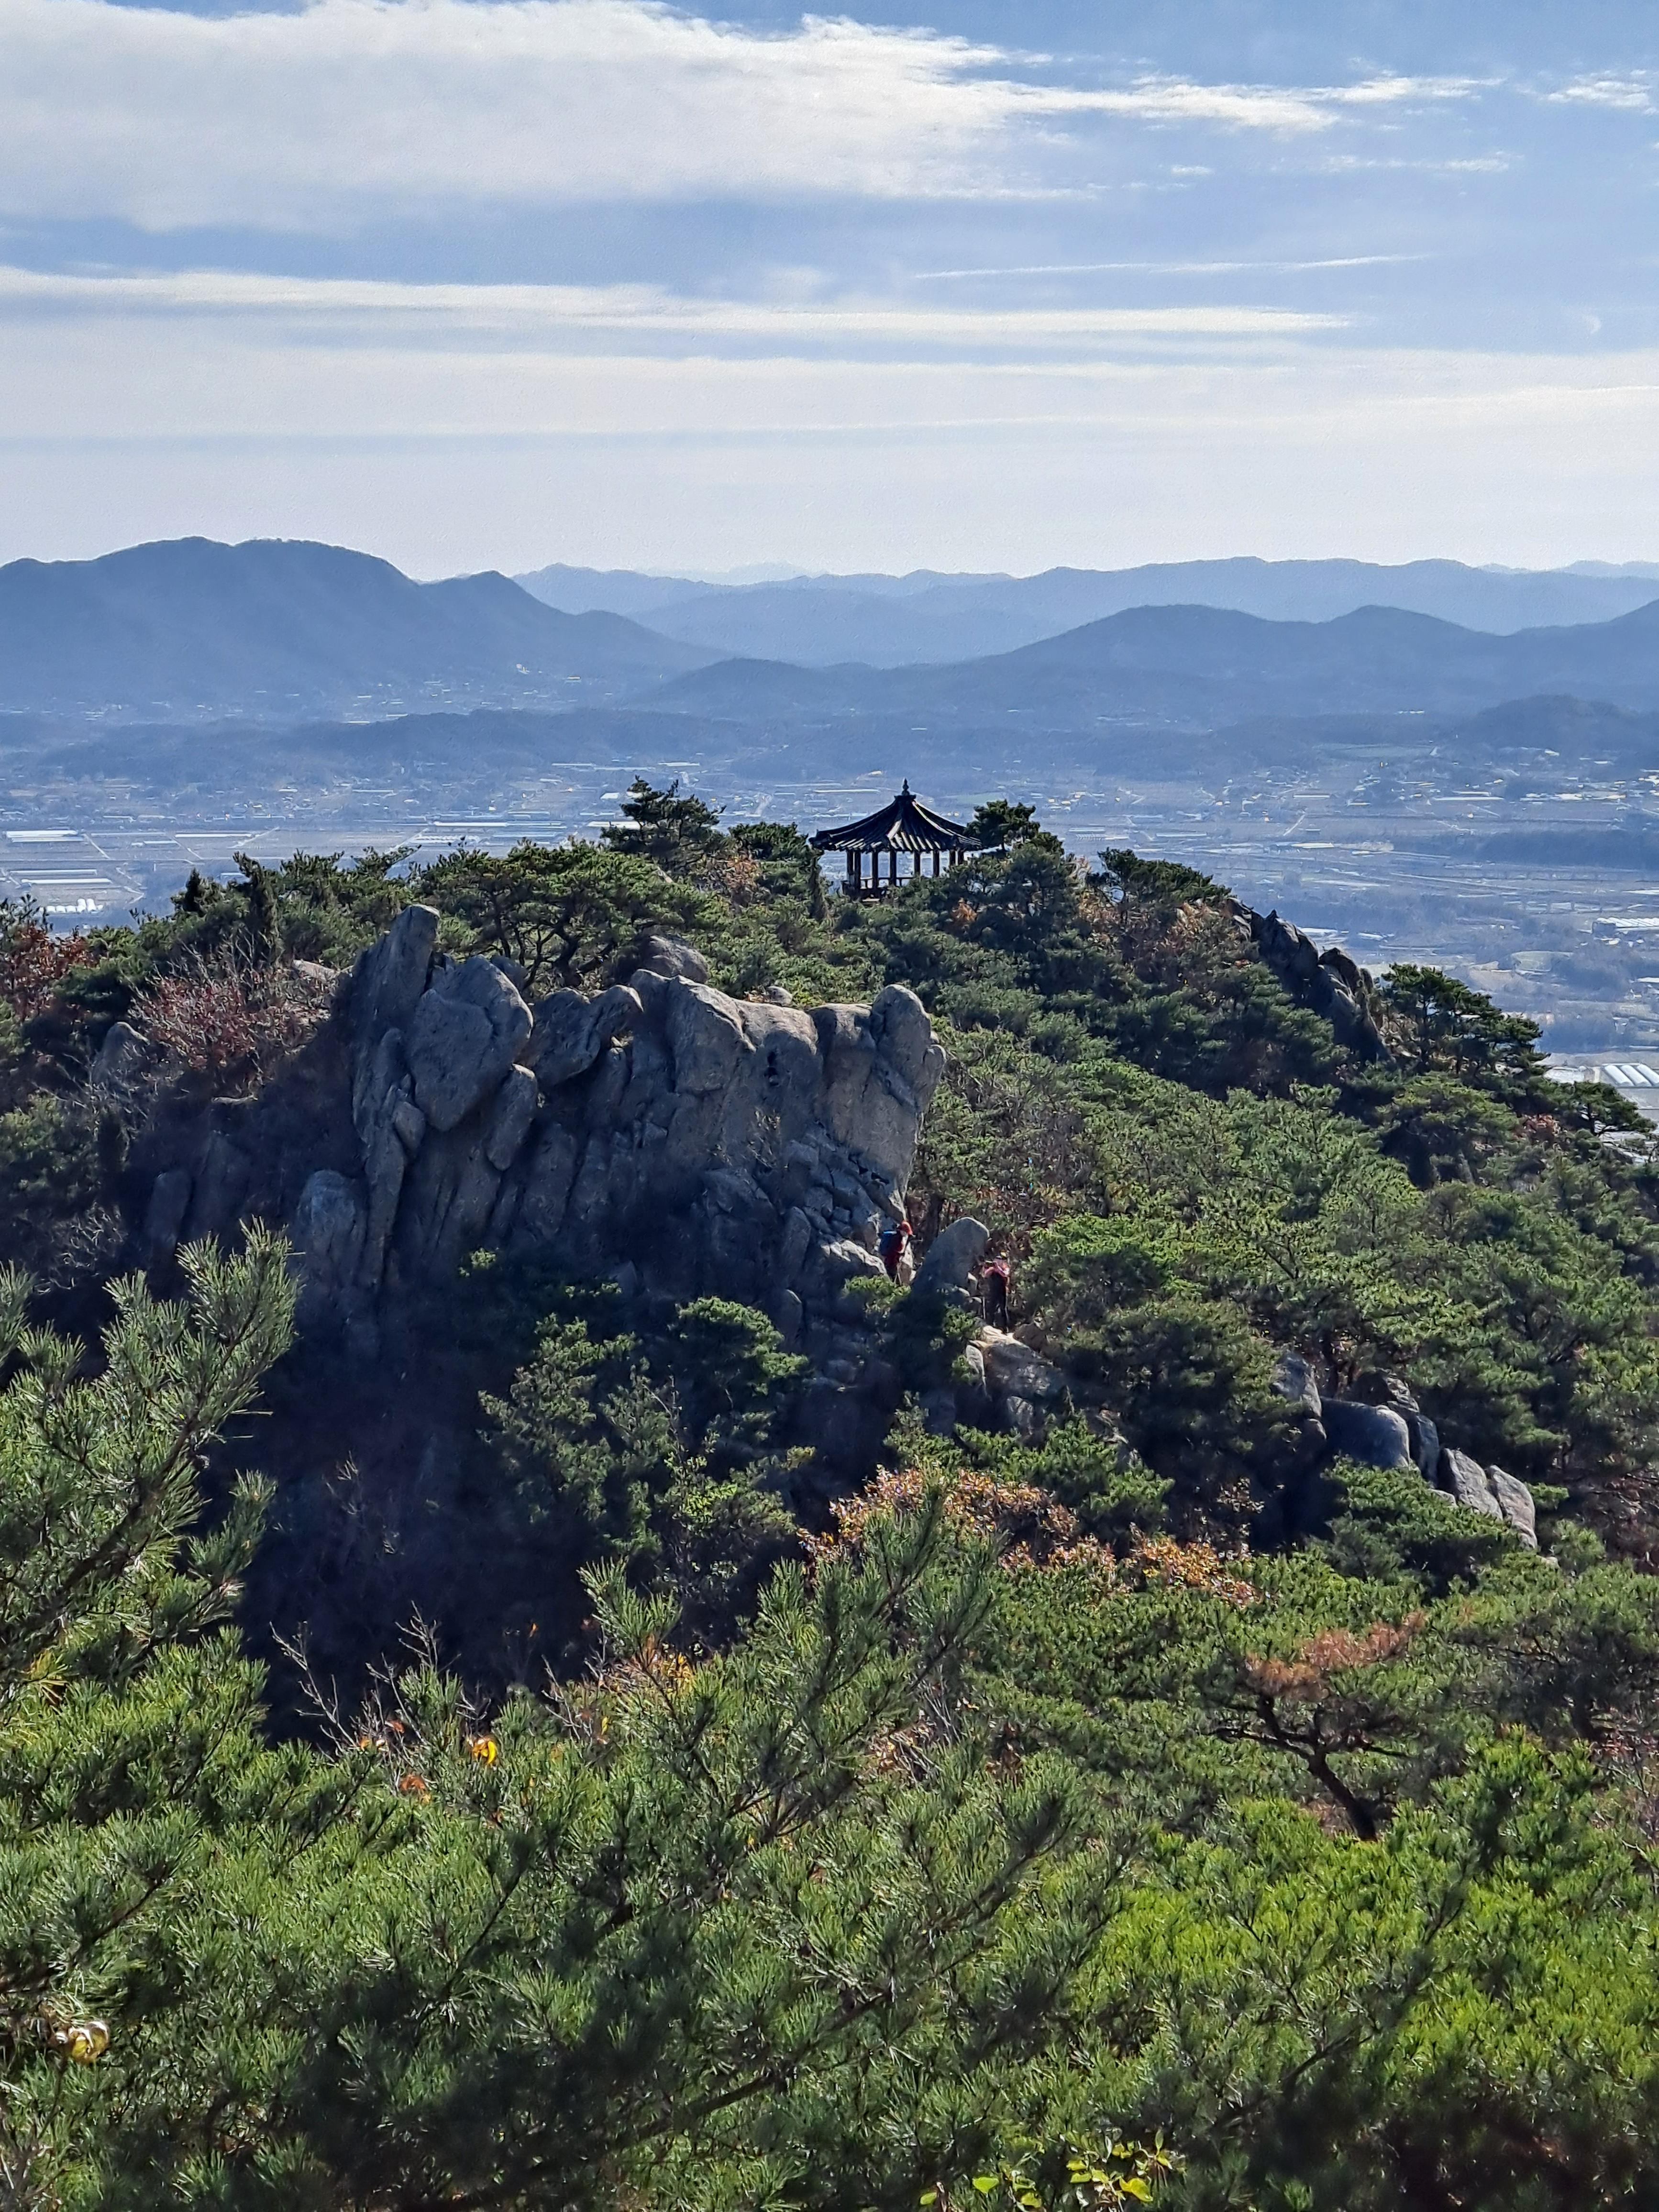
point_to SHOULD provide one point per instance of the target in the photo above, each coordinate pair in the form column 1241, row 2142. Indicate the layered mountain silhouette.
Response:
column 891, row 620
column 1196, row 668
column 278, row 630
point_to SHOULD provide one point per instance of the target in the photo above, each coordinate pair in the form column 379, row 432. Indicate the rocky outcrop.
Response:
column 1328, row 983
column 702, row 1143
column 1382, row 1425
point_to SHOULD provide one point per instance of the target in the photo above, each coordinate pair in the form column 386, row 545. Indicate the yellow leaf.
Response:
column 86, row 2041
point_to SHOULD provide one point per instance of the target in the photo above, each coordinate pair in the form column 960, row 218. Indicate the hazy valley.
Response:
column 1414, row 787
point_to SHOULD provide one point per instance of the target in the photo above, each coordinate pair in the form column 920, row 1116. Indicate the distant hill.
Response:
column 1199, row 667
column 890, row 621
column 276, row 628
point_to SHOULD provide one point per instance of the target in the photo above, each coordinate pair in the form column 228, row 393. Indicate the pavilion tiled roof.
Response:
column 903, row 825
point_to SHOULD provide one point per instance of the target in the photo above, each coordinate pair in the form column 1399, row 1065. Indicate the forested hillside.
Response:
column 546, row 1777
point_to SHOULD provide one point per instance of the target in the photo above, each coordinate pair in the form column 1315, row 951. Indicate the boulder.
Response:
column 510, row 1117
column 1020, row 1416
column 975, row 1405
column 947, row 1267
column 881, row 1068
column 904, row 1039
column 1465, row 1480
column 463, row 1037
column 1517, row 1504
column 1011, row 1369
column 673, row 956
column 1375, row 1435
column 570, row 1031
column 705, row 1038
column 123, row 1058
column 389, row 979
column 1425, row 1446
column 327, row 1232
column 1293, row 1380
column 1379, row 1387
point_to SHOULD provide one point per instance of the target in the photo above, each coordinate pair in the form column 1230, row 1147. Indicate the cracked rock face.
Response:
column 715, row 1145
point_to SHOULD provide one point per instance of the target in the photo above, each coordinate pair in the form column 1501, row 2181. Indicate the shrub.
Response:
column 221, row 1014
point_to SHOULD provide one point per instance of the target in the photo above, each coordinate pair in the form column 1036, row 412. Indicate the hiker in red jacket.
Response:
column 993, row 1293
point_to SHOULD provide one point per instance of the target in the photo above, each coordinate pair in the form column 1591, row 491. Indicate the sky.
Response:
column 490, row 283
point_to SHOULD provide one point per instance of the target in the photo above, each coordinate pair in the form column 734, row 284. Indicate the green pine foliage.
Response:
column 1051, row 1826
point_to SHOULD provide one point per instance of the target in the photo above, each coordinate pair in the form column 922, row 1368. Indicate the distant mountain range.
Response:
column 275, row 632
column 278, row 630
column 1199, row 667
column 888, row 621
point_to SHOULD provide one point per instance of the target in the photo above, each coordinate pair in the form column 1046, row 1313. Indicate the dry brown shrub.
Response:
column 1036, row 1531
column 731, row 875
column 1161, row 1563
column 225, row 1015
column 977, row 1505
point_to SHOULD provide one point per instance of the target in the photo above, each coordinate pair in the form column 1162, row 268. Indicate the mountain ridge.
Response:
column 1194, row 666
column 190, row 625
column 927, row 616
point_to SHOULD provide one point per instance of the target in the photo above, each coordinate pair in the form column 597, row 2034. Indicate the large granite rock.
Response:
column 704, row 1144
column 388, row 982
column 1375, row 1435
column 1295, row 1381
column 465, row 1032
column 1517, row 1504
column 947, row 1269
column 1491, row 1491
column 1465, row 1480
column 671, row 956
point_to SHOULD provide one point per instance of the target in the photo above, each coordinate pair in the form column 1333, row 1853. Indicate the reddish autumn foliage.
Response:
column 225, row 1015
column 34, row 962
column 1307, row 1676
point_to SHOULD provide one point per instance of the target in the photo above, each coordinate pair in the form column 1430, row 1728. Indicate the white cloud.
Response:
column 646, row 315
column 1175, row 268
column 1633, row 94
column 295, row 118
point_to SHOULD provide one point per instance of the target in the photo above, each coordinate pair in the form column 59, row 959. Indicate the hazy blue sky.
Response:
column 493, row 283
